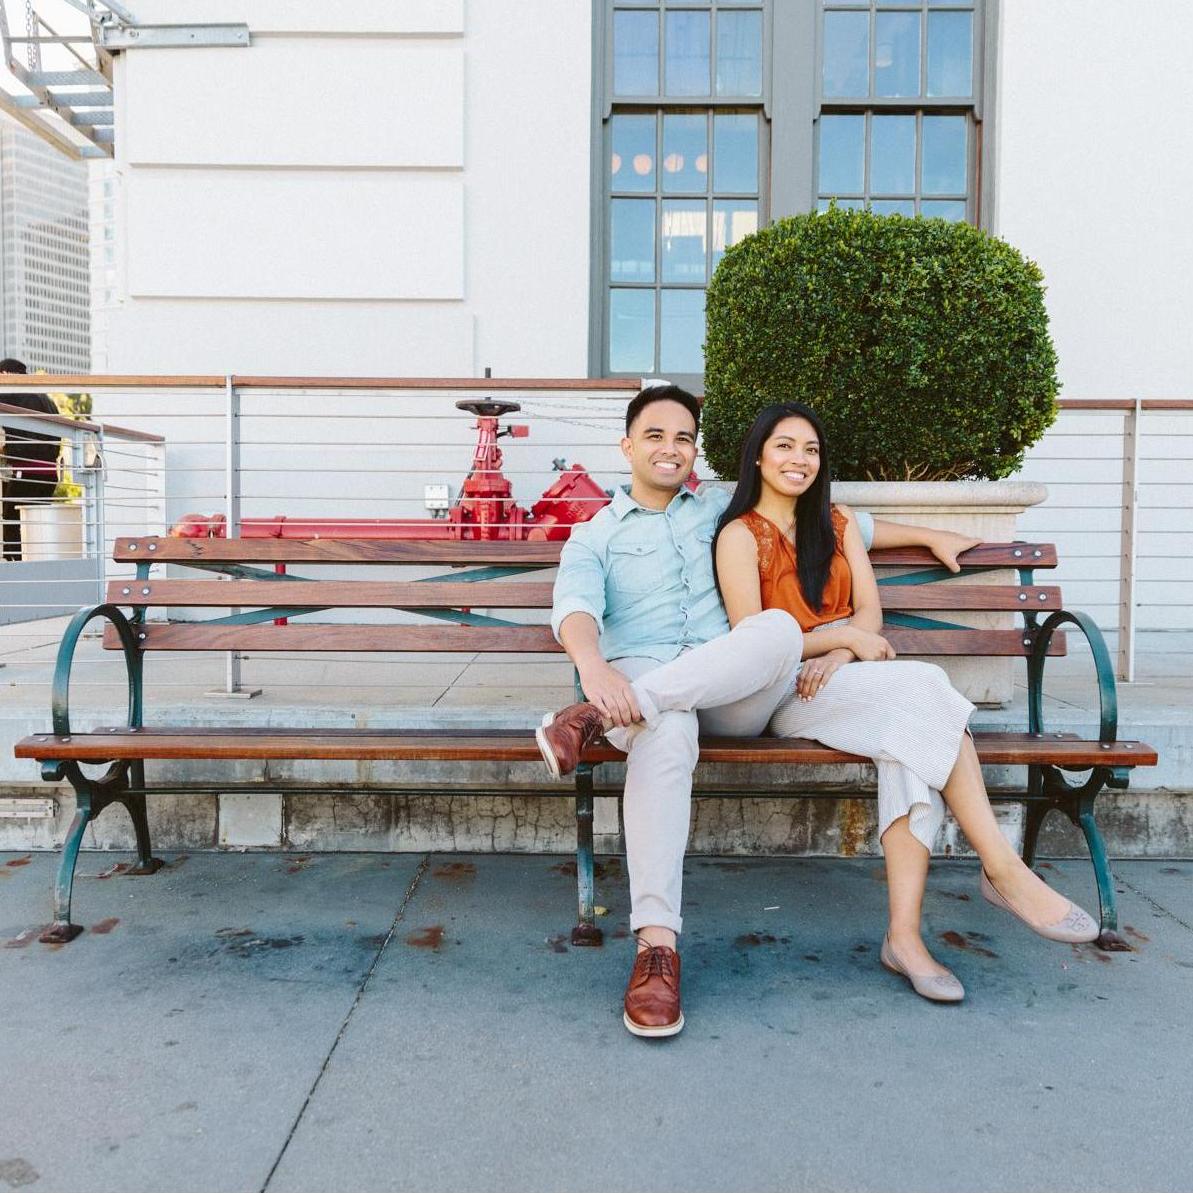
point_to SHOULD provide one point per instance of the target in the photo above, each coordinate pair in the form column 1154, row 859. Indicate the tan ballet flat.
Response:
column 934, row 987
column 1074, row 927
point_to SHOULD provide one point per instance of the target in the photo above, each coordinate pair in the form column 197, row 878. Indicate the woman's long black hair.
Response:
column 815, row 541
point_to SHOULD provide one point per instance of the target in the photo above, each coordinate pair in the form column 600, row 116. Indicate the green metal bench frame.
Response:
column 124, row 782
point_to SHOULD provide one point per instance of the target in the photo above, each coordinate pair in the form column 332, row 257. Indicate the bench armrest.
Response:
column 1107, row 692
column 133, row 662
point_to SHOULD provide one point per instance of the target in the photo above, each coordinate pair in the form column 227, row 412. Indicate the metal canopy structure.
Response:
column 60, row 66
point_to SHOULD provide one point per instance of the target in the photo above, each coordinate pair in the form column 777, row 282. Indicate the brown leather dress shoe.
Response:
column 563, row 737
column 652, row 996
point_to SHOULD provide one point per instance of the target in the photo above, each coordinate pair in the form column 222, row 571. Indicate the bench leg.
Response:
column 585, row 933
column 1034, row 813
column 62, row 931
column 146, row 862
column 1081, row 812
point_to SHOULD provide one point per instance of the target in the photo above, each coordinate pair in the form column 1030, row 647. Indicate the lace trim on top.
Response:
column 839, row 524
column 767, row 534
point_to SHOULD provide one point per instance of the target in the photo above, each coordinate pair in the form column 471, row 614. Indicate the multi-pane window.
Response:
column 871, row 103
column 897, row 129
column 684, row 143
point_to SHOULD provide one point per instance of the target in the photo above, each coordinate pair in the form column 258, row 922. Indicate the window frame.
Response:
column 603, row 105
column 790, row 107
column 977, row 108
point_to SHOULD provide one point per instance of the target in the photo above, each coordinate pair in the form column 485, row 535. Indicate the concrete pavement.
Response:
column 326, row 1022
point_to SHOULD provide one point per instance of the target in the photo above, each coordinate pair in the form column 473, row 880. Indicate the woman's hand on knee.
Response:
column 815, row 673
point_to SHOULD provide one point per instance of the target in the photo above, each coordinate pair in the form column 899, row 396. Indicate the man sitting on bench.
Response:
column 637, row 610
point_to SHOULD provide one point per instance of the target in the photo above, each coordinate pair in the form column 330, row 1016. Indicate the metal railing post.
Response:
column 87, row 471
column 232, row 684
column 155, row 489
column 1125, row 669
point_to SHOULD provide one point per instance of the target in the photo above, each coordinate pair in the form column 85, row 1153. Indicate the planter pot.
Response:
column 51, row 531
column 984, row 509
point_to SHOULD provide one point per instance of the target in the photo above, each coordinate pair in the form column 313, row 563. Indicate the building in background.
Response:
column 553, row 204
column 45, row 267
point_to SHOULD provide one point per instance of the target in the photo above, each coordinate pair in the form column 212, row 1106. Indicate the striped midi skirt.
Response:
column 904, row 715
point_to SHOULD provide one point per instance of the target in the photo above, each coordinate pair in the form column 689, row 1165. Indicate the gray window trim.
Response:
column 597, row 248
column 987, row 117
column 793, row 104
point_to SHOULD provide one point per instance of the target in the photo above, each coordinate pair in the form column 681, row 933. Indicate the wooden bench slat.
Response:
column 531, row 639
column 332, row 550
column 970, row 597
column 959, row 643
column 519, row 746
column 342, row 550
column 438, row 638
column 337, row 594
column 1011, row 555
column 505, row 594
column 230, row 731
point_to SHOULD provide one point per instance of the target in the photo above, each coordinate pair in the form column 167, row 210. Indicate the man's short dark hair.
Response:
column 11, row 365
column 661, row 393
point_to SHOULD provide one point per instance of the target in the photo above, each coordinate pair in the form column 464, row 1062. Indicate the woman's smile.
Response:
column 790, row 458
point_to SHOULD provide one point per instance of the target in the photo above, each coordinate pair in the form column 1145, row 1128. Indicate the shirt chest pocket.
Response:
column 634, row 567
column 701, row 565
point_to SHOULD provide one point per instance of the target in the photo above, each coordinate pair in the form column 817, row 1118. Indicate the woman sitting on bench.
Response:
column 780, row 544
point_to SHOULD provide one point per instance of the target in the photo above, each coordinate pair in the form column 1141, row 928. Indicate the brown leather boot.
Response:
column 652, row 1005
column 564, row 736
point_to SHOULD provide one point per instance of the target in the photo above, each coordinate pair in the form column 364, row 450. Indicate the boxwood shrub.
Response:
column 923, row 345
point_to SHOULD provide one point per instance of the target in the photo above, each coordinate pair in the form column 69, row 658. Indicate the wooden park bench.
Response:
column 281, row 617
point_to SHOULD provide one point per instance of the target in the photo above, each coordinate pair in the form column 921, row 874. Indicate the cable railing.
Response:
column 360, row 457
column 1120, row 505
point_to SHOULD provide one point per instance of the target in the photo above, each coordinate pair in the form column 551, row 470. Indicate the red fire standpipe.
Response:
column 485, row 510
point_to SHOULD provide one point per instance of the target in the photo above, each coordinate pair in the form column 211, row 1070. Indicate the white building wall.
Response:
column 369, row 189
column 1093, row 179
column 106, row 293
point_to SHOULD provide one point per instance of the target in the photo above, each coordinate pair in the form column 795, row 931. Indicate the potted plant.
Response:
column 924, row 347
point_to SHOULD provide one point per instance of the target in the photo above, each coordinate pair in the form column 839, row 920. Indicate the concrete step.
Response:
column 523, row 811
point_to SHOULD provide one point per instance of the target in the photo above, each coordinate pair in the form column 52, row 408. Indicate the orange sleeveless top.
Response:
column 780, row 578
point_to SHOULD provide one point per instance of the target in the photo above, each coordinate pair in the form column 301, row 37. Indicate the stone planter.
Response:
column 985, row 509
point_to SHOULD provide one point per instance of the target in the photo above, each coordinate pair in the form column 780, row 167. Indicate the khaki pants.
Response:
column 729, row 687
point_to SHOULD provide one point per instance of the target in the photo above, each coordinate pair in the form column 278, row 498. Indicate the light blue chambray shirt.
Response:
column 646, row 576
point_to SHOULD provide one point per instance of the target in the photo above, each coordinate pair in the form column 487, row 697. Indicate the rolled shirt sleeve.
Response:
column 865, row 526
column 579, row 584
